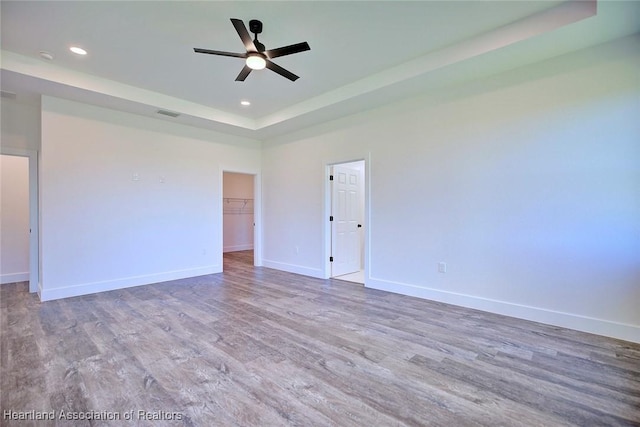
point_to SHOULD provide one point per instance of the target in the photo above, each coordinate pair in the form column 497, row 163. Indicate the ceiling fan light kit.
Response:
column 255, row 61
column 257, row 57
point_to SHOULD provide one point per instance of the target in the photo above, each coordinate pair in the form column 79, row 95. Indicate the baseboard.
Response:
column 292, row 268
column 48, row 294
column 592, row 325
column 236, row 248
column 14, row 277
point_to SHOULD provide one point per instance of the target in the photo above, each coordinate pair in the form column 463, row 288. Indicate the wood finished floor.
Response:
column 259, row 347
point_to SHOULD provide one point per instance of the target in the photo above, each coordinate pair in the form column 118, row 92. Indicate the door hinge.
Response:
column 330, row 177
column 331, row 218
column 330, row 259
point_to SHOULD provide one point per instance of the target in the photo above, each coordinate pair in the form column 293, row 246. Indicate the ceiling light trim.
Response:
column 46, row 55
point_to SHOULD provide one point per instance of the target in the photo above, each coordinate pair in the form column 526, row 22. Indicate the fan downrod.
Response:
column 255, row 27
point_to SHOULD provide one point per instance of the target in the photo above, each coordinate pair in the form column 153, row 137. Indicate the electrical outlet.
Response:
column 442, row 267
column 297, row 250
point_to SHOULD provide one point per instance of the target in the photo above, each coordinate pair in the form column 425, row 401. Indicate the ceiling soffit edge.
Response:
column 531, row 26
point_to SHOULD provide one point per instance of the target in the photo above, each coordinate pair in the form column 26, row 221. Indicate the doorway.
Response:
column 347, row 218
column 238, row 215
column 20, row 242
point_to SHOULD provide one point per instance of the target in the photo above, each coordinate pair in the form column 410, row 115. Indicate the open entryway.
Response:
column 19, row 217
column 347, row 215
column 238, row 214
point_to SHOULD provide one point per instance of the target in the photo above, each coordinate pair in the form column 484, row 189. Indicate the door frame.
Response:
column 34, row 223
column 257, row 214
column 366, row 235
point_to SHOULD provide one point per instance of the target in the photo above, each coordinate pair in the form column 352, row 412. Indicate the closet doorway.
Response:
column 238, row 214
column 20, row 260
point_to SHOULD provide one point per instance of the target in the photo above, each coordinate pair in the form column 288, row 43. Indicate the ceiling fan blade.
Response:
column 284, row 73
column 287, row 50
column 244, row 35
column 243, row 74
column 219, row 52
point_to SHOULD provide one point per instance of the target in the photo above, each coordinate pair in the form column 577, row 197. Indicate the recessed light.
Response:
column 245, row 103
column 78, row 50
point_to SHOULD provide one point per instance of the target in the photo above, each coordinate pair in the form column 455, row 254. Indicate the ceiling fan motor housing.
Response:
column 255, row 26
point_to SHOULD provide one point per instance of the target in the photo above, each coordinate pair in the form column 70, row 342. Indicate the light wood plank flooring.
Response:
column 259, row 347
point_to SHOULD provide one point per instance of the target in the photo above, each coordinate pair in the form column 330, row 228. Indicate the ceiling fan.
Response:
column 256, row 57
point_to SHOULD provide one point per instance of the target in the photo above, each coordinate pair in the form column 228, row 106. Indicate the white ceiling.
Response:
column 363, row 53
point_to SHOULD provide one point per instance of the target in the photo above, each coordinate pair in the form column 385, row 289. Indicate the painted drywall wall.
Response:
column 525, row 184
column 20, row 136
column 20, row 124
column 238, row 211
column 128, row 200
column 14, row 219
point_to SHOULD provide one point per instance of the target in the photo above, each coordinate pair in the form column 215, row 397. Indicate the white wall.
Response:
column 20, row 124
column 238, row 211
column 128, row 200
column 20, row 135
column 525, row 184
column 14, row 219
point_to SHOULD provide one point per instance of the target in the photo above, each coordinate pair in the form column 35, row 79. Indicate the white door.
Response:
column 345, row 227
